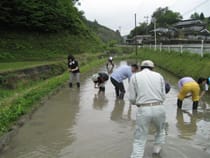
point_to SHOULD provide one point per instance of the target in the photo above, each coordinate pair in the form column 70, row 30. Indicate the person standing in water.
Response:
column 147, row 90
column 110, row 65
column 74, row 71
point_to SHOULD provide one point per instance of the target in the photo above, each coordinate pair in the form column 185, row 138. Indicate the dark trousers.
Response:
column 119, row 88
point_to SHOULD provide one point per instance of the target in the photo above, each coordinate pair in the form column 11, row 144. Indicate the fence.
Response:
column 192, row 48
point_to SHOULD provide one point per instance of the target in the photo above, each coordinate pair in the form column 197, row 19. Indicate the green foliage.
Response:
column 195, row 16
column 41, row 15
column 104, row 33
column 165, row 17
column 31, row 46
column 186, row 64
column 139, row 30
column 24, row 100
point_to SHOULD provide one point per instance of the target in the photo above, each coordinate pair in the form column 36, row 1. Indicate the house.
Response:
column 192, row 30
column 139, row 39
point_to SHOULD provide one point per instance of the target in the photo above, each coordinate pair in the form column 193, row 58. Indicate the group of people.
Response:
column 147, row 90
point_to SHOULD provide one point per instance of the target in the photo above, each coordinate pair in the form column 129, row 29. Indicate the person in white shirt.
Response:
column 147, row 90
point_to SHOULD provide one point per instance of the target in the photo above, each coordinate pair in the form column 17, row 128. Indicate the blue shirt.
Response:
column 122, row 73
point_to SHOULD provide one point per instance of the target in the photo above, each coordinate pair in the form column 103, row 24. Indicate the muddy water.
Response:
column 83, row 124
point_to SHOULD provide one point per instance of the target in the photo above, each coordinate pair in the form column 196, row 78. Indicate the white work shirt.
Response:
column 146, row 86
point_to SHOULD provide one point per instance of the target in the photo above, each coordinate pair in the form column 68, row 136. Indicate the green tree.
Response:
column 165, row 17
column 139, row 30
column 195, row 16
column 202, row 17
column 41, row 15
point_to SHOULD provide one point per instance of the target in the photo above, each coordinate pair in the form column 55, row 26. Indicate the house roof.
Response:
column 164, row 30
column 188, row 23
column 205, row 31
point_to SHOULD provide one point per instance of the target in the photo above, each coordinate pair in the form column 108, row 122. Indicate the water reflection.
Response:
column 49, row 130
column 99, row 101
column 205, row 107
column 117, row 112
column 186, row 123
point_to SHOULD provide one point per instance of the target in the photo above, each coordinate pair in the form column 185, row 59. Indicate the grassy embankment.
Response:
column 23, row 100
column 33, row 46
column 186, row 64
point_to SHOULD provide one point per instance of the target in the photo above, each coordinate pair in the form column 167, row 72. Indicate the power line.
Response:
column 197, row 6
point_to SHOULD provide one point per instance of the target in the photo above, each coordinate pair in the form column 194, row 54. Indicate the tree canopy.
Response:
column 42, row 15
column 165, row 17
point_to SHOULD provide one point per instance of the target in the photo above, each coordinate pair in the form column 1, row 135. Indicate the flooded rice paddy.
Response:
column 80, row 123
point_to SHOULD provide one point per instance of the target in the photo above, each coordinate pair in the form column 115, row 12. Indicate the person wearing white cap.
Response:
column 110, row 65
column 147, row 90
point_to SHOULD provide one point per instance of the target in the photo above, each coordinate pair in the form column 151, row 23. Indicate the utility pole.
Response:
column 147, row 20
column 154, row 21
column 135, row 36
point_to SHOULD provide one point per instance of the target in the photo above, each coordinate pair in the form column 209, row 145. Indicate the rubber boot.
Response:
column 101, row 89
column 70, row 85
column 78, row 84
column 179, row 103
column 121, row 96
column 195, row 105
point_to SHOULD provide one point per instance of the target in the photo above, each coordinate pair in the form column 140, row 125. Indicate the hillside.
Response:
column 104, row 33
column 47, row 30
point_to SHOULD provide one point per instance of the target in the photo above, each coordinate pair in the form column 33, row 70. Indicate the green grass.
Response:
column 33, row 46
column 23, row 100
column 13, row 66
column 186, row 64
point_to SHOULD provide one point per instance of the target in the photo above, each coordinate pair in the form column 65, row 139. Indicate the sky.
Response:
column 119, row 14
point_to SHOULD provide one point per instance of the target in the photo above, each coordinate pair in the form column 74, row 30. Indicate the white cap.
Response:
column 147, row 63
column 95, row 77
column 110, row 58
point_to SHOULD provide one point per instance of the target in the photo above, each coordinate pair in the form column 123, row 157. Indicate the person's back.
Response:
column 150, row 86
column 188, row 87
column 147, row 92
column 122, row 73
column 184, row 80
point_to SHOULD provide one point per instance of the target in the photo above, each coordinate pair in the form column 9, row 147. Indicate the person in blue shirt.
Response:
column 121, row 73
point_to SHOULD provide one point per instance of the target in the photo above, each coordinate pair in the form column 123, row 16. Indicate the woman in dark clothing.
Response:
column 74, row 71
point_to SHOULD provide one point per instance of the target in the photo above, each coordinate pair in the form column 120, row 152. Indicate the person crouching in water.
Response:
column 74, row 69
column 188, row 85
column 204, row 85
column 99, row 80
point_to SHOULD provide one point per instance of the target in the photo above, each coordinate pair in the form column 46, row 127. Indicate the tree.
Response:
column 41, row 15
column 139, row 30
column 202, row 17
column 165, row 17
column 195, row 16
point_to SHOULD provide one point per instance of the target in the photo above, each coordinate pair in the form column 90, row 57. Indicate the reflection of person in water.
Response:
column 117, row 112
column 99, row 101
column 186, row 129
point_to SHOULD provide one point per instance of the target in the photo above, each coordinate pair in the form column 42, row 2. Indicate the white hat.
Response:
column 95, row 77
column 147, row 63
column 110, row 58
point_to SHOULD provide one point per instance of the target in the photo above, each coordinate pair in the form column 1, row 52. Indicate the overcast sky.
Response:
column 119, row 14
